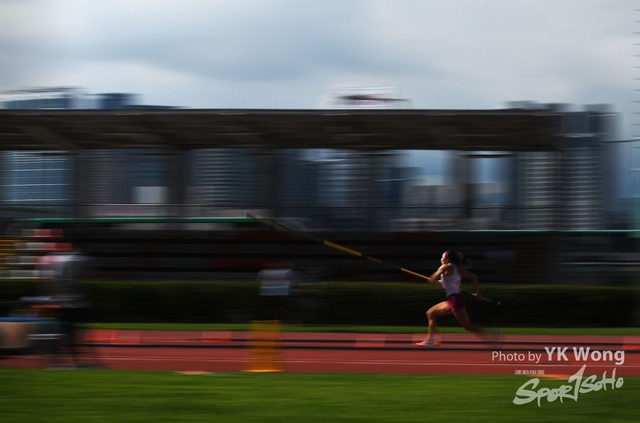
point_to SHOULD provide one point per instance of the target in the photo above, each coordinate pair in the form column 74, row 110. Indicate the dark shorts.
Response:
column 456, row 302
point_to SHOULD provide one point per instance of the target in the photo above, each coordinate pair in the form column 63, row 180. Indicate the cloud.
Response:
column 270, row 40
column 507, row 47
column 290, row 53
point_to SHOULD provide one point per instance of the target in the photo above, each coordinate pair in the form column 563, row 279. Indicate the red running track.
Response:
column 220, row 351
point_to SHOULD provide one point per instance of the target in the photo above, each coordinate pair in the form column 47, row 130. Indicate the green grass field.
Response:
column 119, row 396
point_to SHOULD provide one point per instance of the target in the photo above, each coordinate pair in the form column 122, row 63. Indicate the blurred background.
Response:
column 531, row 192
column 397, row 130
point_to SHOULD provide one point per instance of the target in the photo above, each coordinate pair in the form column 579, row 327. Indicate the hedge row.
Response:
column 379, row 303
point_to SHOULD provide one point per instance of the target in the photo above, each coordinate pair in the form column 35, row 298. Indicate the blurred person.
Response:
column 62, row 270
column 276, row 283
column 453, row 267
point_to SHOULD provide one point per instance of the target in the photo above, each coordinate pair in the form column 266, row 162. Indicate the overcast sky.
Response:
column 439, row 54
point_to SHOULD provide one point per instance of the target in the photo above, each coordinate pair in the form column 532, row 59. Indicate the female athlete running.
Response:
column 454, row 267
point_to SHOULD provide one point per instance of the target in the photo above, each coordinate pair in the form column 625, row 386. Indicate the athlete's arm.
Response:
column 435, row 278
column 474, row 279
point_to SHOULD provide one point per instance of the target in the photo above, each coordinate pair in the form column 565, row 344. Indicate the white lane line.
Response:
column 363, row 362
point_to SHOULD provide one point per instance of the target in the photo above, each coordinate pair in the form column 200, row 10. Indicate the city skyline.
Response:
column 431, row 173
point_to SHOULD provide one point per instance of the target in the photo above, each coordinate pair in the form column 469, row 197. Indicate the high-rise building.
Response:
column 223, row 179
column 538, row 190
column 37, row 182
column 43, row 182
column 569, row 188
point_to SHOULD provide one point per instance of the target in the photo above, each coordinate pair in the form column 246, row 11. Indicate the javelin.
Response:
column 330, row 244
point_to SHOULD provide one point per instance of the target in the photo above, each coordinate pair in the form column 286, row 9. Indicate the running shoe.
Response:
column 429, row 343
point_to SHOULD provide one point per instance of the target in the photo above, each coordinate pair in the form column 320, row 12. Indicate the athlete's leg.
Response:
column 440, row 309
column 465, row 321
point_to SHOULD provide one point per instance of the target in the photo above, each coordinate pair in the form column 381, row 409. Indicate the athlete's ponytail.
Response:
column 457, row 258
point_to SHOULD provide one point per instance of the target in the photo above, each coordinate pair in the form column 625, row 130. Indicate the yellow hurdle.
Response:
column 264, row 349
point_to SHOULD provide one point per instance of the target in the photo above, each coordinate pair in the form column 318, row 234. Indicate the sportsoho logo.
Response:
column 578, row 383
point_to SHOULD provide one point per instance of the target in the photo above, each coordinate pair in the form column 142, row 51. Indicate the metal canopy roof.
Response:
column 365, row 130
